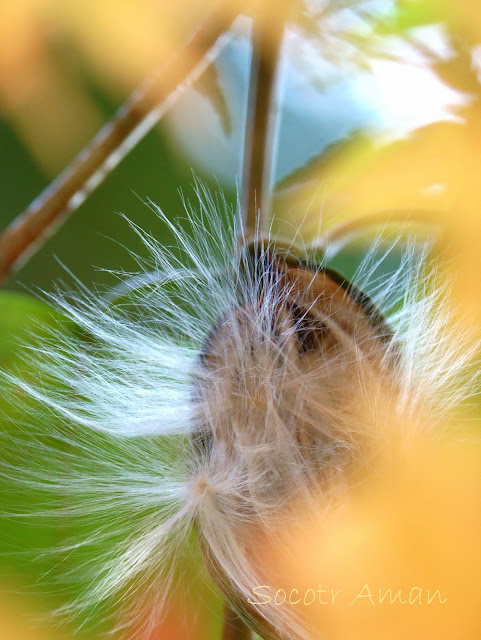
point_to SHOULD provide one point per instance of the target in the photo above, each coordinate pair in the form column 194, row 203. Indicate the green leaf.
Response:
column 21, row 318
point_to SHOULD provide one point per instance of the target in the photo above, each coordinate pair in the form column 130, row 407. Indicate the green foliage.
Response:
column 33, row 532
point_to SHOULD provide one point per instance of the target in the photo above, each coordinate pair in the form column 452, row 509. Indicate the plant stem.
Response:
column 137, row 116
column 334, row 238
column 234, row 627
column 267, row 36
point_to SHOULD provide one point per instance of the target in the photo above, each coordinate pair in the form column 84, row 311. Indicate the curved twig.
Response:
column 334, row 238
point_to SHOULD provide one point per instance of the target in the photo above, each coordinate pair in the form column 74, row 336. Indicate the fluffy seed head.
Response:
column 245, row 382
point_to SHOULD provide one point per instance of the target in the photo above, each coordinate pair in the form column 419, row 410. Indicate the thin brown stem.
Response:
column 140, row 113
column 267, row 36
column 234, row 627
column 339, row 234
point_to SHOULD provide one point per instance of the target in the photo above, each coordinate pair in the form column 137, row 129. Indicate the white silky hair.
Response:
column 141, row 441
